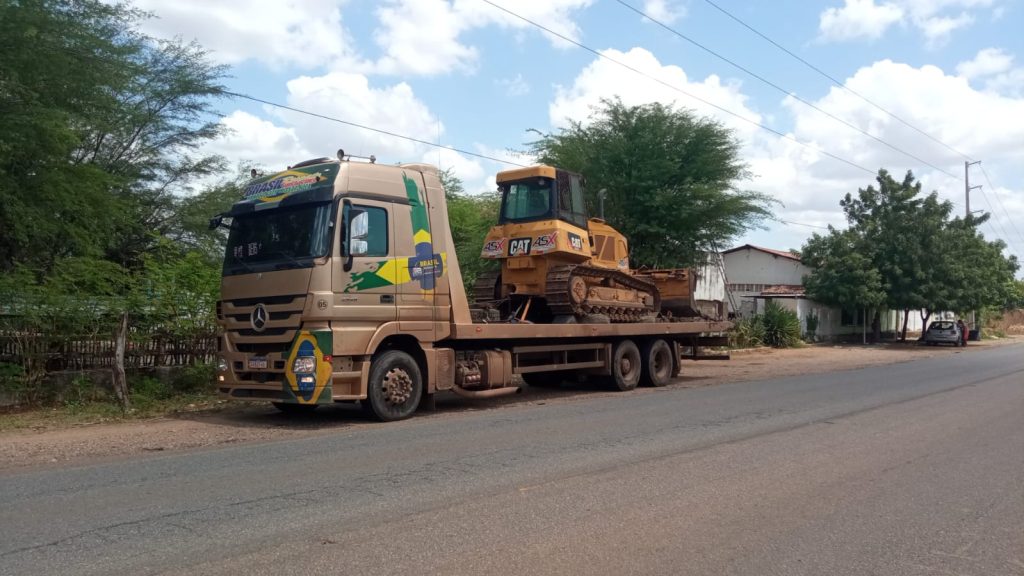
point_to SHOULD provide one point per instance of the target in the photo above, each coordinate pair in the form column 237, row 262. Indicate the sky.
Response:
column 923, row 85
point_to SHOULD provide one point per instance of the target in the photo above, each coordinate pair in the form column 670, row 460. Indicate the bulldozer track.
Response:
column 560, row 302
column 484, row 289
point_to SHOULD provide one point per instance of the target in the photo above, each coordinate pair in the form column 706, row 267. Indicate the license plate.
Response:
column 257, row 363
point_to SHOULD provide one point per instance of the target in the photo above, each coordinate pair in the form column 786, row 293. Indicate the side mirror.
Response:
column 360, row 247
column 360, row 227
column 216, row 221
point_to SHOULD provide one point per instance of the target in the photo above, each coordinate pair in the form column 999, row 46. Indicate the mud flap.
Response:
column 309, row 387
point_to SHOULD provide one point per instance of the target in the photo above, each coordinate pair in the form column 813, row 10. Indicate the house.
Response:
column 756, row 275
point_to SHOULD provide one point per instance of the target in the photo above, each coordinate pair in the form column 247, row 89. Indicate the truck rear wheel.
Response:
column 626, row 364
column 395, row 386
column 657, row 368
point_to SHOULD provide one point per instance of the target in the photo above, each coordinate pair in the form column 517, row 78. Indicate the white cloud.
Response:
column 987, row 62
column 664, row 11
column 858, row 19
column 995, row 67
column 605, row 79
column 350, row 97
column 251, row 139
column 424, row 36
column 513, row 87
column 985, row 125
column 864, row 19
column 302, row 33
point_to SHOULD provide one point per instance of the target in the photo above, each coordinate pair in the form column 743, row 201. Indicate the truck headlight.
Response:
column 222, row 365
column 304, row 365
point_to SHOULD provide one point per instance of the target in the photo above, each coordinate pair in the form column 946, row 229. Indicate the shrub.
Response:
column 747, row 333
column 197, row 378
column 781, row 326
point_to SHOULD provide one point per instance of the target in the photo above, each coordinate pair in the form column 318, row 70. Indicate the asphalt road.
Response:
column 914, row 468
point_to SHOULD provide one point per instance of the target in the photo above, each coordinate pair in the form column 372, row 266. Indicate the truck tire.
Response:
column 395, row 387
column 657, row 363
column 626, row 366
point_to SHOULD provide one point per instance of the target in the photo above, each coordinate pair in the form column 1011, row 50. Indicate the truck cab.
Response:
column 326, row 263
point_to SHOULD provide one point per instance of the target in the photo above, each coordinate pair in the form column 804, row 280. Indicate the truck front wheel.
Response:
column 395, row 386
column 626, row 365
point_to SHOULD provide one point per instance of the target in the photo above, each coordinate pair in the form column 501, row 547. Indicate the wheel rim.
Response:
column 629, row 366
column 397, row 388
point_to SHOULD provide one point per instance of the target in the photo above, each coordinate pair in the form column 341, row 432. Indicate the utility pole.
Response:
column 967, row 213
column 968, row 187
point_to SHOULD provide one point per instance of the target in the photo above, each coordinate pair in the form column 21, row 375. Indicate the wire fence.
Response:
column 90, row 352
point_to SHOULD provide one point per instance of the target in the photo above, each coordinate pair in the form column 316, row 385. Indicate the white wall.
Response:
column 750, row 266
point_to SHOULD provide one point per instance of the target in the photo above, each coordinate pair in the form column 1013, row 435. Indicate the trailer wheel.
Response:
column 658, row 364
column 626, row 364
column 395, row 386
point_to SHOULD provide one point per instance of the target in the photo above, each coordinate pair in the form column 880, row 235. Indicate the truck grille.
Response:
column 283, row 320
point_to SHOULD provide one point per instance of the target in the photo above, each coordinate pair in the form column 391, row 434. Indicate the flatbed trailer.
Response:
column 346, row 287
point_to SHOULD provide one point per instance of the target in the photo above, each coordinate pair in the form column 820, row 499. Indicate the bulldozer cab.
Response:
column 542, row 193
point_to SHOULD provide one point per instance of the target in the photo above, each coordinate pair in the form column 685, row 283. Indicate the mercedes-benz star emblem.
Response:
column 258, row 318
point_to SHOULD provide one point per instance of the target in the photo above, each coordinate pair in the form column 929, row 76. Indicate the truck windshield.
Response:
column 527, row 200
column 277, row 239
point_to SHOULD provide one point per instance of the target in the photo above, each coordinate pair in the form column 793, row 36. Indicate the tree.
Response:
column 470, row 217
column 902, row 251
column 842, row 274
column 98, row 127
column 670, row 179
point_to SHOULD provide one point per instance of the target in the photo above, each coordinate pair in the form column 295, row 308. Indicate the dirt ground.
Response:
column 237, row 423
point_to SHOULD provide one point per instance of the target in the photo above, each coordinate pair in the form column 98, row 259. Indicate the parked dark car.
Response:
column 943, row 332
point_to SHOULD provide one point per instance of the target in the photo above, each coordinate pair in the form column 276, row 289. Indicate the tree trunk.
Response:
column 876, row 326
column 925, row 315
column 906, row 317
column 120, row 381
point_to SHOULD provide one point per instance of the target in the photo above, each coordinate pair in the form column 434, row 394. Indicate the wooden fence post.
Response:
column 120, row 381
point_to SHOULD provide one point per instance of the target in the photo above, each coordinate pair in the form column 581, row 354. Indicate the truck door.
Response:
column 365, row 293
column 416, row 249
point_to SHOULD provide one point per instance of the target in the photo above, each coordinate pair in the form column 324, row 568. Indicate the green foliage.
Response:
column 470, row 218
column 101, row 128
column 196, row 379
column 902, row 250
column 841, row 273
column 747, row 333
column 781, row 326
column 670, row 176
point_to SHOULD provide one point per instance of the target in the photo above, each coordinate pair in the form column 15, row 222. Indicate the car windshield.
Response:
column 278, row 238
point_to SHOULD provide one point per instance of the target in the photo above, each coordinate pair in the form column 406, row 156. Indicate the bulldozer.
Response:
column 557, row 264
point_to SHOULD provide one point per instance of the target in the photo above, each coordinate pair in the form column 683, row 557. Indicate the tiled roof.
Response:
column 783, row 290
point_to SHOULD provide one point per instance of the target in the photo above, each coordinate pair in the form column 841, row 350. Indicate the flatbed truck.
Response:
column 341, row 283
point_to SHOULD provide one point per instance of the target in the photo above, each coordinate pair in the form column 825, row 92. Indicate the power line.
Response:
column 1001, row 205
column 801, row 224
column 834, row 81
column 778, row 88
column 680, row 90
column 364, row 127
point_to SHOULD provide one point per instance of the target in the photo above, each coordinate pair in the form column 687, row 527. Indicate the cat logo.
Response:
column 576, row 242
column 519, row 247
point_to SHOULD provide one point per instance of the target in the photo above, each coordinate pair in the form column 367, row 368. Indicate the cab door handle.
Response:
column 387, row 299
